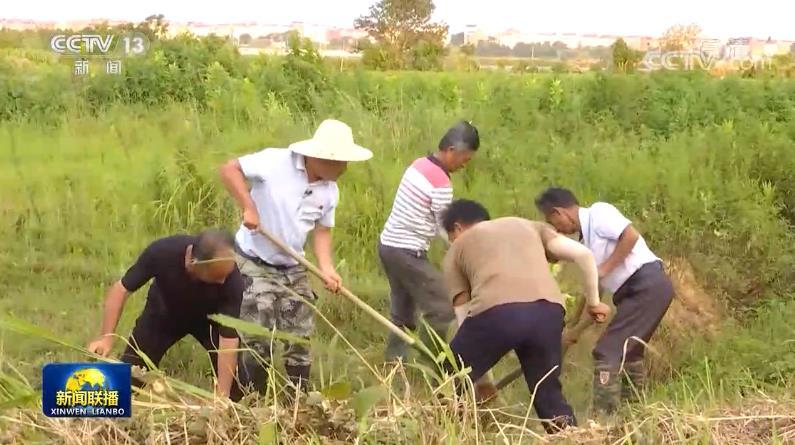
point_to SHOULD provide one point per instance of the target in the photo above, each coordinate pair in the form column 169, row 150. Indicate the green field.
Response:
column 95, row 168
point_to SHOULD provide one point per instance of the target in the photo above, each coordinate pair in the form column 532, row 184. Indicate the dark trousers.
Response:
column 415, row 284
column 641, row 302
column 533, row 331
column 154, row 333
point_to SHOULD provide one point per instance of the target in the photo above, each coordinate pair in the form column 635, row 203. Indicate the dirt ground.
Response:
column 694, row 313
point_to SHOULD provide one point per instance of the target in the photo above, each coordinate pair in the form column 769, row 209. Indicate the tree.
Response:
column 427, row 56
column 157, row 25
column 457, row 39
column 304, row 66
column 303, row 49
column 680, row 37
column 792, row 48
column 524, row 50
column 460, row 59
column 624, row 57
column 487, row 48
column 245, row 39
column 404, row 35
column 468, row 50
column 545, row 50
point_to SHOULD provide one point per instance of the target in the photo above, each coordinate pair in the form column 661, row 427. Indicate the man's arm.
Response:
column 322, row 240
column 234, row 181
column 457, row 284
column 227, row 364
column 566, row 249
column 441, row 198
column 569, row 250
column 461, row 307
column 114, row 304
column 136, row 276
column 232, row 299
column 626, row 242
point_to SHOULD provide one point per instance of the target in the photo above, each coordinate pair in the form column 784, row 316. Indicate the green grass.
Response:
column 93, row 171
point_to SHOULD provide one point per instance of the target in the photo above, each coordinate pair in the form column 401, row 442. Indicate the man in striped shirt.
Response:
column 423, row 195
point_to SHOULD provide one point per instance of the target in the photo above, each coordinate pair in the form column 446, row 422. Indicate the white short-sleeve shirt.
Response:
column 601, row 226
column 288, row 205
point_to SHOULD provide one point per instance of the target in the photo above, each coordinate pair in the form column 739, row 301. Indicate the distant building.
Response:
column 315, row 33
column 509, row 38
column 355, row 34
column 770, row 48
column 21, row 25
column 473, row 35
column 596, row 40
column 200, row 29
column 175, row 29
column 710, row 47
column 635, row 42
column 570, row 39
column 258, row 30
column 738, row 49
column 756, row 48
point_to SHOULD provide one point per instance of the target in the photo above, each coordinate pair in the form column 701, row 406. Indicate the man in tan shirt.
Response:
column 506, row 299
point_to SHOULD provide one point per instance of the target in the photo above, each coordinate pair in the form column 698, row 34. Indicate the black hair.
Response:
column 210, row 242
column 555, row 197
column 464, row 211
column 461, row 136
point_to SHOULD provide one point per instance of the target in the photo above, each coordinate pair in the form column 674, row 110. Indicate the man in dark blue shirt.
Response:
column 194, row 276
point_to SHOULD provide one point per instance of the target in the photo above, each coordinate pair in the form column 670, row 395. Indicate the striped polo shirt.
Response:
column 425, row 191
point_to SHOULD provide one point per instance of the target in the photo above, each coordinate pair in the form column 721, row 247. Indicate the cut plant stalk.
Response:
column 348, row 294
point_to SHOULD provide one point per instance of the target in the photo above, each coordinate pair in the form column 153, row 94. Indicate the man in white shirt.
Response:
column 293, row 192
column 628, row 269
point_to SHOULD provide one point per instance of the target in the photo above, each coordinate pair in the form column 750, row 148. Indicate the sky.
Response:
column 757, row 18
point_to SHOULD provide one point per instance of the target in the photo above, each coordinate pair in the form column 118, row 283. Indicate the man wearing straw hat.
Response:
column 292, row 192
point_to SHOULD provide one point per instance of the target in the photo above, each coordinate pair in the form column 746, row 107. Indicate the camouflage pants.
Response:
column 267, row 303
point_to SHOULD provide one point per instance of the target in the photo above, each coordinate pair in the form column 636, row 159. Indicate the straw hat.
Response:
column 333, row 140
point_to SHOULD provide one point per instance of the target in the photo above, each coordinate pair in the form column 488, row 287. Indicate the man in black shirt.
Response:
column 194, row 276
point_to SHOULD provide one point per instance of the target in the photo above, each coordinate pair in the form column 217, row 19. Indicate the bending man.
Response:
column 194, row 276
column 628, row 269
column 500, row 268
